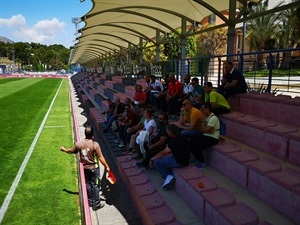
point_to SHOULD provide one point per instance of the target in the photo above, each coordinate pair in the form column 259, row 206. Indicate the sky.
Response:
column 46, row 22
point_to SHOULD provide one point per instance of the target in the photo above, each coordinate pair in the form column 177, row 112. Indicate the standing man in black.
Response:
column 233, row 81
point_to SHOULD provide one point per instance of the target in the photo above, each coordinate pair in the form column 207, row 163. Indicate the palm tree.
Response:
column 263, row 29
column 290, row 32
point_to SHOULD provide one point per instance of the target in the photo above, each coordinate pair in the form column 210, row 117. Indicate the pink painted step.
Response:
column 236, row 169
column 255, row 131
column 251, row 103
column 293, row 107
column 188, row 173
column 275, row 140
column 228, row 120
column 240, row 214
column 123, row 159
column 215, row 200
column 161, row 216
column 152, row 201
column 218, row 156
column 265, row 223
column 273, row 108
column 184, row 189
column 144, row 189
column 288, row 178
column 278, row 193
column 191, row 193
column 138, row 179
column 257, row 174
column 133, row 171
column 297, row 190
column 237, row 127
column 294, row 147
column 123, row 168
column 227, row 148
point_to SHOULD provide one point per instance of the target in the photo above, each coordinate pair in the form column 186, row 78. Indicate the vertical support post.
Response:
column 157, row 58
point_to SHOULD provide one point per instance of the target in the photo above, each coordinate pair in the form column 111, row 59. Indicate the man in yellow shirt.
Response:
column 218, row 102
column 190, row 120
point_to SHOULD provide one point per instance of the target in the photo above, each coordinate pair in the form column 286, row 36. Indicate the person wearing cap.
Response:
column 88, row 150
column 218, row 102
column 175, row 155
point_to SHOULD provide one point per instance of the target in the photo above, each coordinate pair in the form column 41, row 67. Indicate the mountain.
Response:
column 5, row 40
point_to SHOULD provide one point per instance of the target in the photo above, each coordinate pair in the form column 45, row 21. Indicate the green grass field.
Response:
column 47, row 191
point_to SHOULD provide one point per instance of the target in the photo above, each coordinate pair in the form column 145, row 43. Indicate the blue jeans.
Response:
column 91, row 179
column 110, row 120
column 193, row 135
column 164, row 165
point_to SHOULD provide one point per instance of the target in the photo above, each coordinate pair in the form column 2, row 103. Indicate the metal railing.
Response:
column 268, row 71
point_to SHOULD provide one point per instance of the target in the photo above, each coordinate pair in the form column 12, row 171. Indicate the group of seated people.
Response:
column 165, row 144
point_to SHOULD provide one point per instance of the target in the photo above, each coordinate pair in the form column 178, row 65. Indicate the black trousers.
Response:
column 203, row 143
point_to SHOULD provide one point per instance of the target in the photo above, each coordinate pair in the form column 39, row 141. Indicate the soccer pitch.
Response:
column 38, row 183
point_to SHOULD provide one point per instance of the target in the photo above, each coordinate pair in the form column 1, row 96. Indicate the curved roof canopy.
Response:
column 113, row 25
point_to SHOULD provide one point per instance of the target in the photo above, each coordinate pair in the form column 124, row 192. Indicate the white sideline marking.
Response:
column 25, row 161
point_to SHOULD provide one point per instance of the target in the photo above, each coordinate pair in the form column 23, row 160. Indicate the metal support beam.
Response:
column 157, row 58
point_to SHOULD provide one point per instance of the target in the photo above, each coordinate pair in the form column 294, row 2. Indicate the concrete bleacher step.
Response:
column 244, row 172
column 149, row 201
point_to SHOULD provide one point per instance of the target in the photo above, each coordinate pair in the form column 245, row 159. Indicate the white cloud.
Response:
column 44, row 31
column 13, row 22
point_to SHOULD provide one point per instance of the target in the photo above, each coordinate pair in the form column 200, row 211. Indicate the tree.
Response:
column 289, row 32
column 172, row 46
column 212, row 42
column 36, row 56
column 264, row 28
column 149, row 54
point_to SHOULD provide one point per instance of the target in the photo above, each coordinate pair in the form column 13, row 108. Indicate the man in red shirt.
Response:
column 173, row 94
column 140, row 98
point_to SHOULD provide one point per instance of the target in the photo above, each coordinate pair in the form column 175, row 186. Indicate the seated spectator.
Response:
column 175, row 155
column 174, row 93
column 157, row 143
column 232, row 82
column 119, row 108
column 148, row 81
column 161, row 96
column 128, row 119
column 155, row 87
column 218, row 102
column 111, row 108
column 187, row 89
column 149, row 125
column 128, row 131
column 140, row 98
column 210, row 136
column 190, row 121
column 198, row 93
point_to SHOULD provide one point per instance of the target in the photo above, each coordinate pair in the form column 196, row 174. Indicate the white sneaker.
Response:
column 168, row 183
column 117, row 141
column 121, row 145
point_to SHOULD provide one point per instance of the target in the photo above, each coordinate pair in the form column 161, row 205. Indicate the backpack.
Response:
column 222, row 127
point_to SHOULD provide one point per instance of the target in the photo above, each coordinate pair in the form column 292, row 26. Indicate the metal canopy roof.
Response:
column 115, row 24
